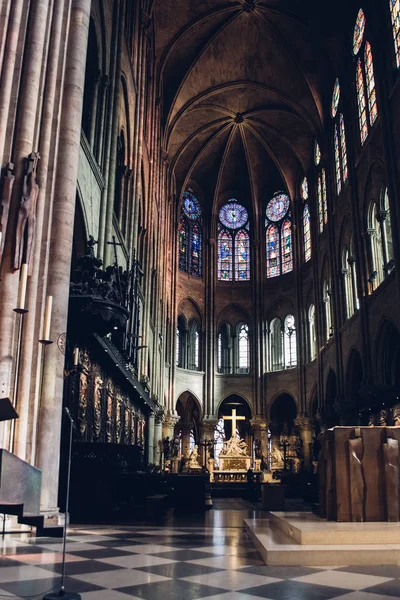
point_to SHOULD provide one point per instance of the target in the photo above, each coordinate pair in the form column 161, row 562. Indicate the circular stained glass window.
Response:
column 278, row 206
column 359, row 29
column 335, row 98
column 317, row 154
column 233, row 215
column 191, row 206
column 304, row 189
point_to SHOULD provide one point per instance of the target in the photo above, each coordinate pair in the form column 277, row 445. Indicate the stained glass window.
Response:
column 362, row 109
column 273, row 252
column 225, row 244
column 242, row 256
column 277, row 206
column 320, row 204
column 365, row 79
column 233, row 248
column 359, row 29
column 233, row 215
column 371, row 91
column 324, row 196
column 278, row 236
column 287, row 250
column 182, row 240
column 191, row 206
column 304, row 189
column 190, row 235
column 317, row 154
column 343, row 149
column 395, row 14
column 195, row 251
column 306, row 233
column 335, row 98
column 243, row 349
column 337, row 162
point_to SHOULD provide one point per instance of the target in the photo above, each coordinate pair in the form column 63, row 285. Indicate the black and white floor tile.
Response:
column 149, row 563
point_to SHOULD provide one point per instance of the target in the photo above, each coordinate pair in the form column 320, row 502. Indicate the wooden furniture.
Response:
column 359, row 474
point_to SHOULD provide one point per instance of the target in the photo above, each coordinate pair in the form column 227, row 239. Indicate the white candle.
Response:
column 47, row 318
column 22, row 287
column 76, row 357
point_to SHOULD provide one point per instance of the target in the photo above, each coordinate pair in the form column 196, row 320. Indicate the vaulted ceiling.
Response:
column 244, row 88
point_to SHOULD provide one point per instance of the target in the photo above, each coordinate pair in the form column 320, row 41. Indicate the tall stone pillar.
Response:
column 48, row 453
column 260, row 432
column 169, row 426
column 150, row 439
column 306, row 434
column 158, row 423
column 207, row 437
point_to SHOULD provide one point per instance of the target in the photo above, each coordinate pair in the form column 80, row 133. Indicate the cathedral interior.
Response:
column 199, row 240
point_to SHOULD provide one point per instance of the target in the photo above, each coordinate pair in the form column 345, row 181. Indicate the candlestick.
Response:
column 47, row 321
column 76, row 357
column 22, row 290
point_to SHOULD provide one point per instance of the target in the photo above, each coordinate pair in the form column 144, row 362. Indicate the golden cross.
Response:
column 234, row 418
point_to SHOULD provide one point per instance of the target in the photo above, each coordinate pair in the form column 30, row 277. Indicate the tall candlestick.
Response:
column 22, row 289
column 76, row 357
column 47, row 318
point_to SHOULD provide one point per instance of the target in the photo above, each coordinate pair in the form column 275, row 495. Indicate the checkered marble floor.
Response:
column 148, row 563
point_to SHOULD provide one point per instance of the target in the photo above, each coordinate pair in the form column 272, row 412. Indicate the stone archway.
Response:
column 284, row 437
column 188, row 426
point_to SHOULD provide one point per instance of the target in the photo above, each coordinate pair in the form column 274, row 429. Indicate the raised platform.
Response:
column 305, row 540
column 307, row 528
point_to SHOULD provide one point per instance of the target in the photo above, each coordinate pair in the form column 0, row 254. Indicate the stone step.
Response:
column 277, row 548
column 308, row 528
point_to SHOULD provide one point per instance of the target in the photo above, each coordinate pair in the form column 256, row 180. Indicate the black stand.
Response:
column 62, row 593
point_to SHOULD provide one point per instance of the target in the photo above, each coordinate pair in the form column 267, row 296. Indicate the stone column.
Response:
column 150, row 439
column 382, row 218
column 306, row 434
column 169, row 426
column 95, row 102
column 207, row 435
column 48, row 451
column 260, row 432
column 158, row 422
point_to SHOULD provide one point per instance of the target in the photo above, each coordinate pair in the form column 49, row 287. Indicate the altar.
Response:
column 234, row 459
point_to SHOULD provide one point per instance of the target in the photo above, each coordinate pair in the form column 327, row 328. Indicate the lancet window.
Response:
column 233, row 243
column 349, row 273
column 312, row 332
column 181, row 343
column 339, row 144
column 194, row 346
column 282, row 344
column 306, row 221
column 279, row 242
column 365, row 78
column 327, row 301
column 243, row 349
column 395, row 16
column 381, row 262
column 190, row 235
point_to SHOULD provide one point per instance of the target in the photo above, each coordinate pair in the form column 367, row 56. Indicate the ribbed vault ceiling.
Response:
column 242, row 87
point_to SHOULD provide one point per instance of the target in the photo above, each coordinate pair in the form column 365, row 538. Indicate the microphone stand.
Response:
column 62, row 593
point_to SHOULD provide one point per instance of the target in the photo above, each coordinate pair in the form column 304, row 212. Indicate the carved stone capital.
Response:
column 259, row 422
column 303, row 423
